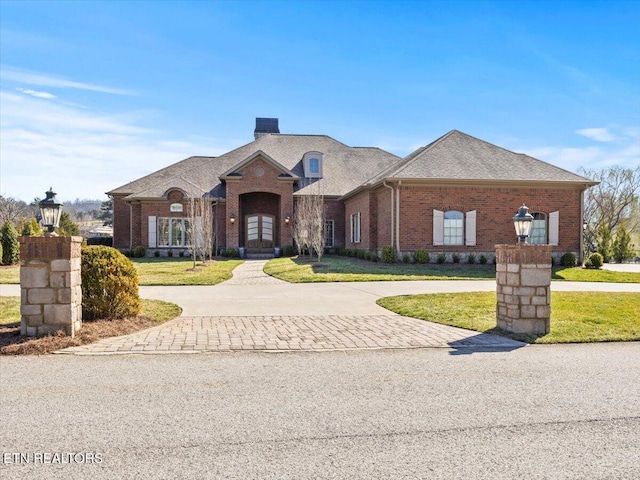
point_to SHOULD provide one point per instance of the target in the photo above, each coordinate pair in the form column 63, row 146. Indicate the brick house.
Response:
column 457, row 194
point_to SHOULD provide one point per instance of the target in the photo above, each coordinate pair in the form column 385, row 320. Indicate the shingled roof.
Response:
column 454, row 157
column 458, row 156
column 344, row 167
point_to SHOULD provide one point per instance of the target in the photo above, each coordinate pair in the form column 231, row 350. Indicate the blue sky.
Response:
column 96, row 94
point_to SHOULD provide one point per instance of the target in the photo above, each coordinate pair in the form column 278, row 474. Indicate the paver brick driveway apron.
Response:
column 266, row 314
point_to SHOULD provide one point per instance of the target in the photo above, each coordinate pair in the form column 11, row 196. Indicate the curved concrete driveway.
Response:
column 253, row 311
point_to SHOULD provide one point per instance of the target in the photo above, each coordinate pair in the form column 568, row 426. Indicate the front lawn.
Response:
column 594, row 275
column 576, row 317
column 179, row 271
column 161, row 271
column 345, row 269
column 154, row 312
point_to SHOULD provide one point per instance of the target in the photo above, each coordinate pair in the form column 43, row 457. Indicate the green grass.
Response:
column 179, row 271
column 157, row 310
column 9, row 310
column 344, row 269
column 160, row 271
column 576, row 317
column 593, row 275
column 10, row 274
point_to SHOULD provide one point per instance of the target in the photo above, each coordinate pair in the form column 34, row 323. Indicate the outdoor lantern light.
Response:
column 522, row 221
column 50, row 212
column 584, row 224
column 232, row 219
column 287, row 219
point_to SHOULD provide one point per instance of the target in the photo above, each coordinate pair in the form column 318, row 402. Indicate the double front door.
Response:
column 259, row 232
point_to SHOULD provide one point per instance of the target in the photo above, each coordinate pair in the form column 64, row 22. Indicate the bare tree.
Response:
column 613, row 201
column 12, row 210
column 205, row 233
column 309, row 223
column 191, row 227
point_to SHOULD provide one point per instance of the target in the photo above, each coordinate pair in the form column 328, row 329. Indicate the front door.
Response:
column 259, row 232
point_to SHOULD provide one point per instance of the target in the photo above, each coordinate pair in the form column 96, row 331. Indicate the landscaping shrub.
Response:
column 406, row 258
column 139, row 251
column 229, row 253
column 421, row 256
column 483, row 259
column 170, row 253
column 106, row 241
column 471, row 258
column 288, row 251
column 622, row 247
column 441, row 258
column 156, row 253
column 361, row 253
column 389, row 254
column 568, row 260
column 109, row 284
column 10, row 244
column 455, row 257
column 595, row 260
column 181, row 254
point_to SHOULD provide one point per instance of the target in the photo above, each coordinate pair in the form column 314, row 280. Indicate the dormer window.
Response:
column 312, row 162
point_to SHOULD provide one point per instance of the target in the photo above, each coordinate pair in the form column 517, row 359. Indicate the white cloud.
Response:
column 597, row 134
column 37, row 94
column 80, row 152
column 47, row 80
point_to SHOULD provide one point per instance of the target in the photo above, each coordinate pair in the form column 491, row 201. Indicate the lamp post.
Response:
column 50, row 211
column 522, row 223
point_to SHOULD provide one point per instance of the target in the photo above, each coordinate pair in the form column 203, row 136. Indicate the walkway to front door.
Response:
column 256, row 327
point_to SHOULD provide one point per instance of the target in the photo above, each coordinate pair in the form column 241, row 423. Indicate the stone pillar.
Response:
column 50, row 284
column 523, row 288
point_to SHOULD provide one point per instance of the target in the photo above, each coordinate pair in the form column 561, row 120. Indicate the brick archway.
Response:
column 259, row 204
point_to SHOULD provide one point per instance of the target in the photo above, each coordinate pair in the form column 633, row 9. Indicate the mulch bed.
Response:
column 12, row 343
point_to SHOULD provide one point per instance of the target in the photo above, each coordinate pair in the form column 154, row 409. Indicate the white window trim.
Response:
column 184, row 233
column 444, row 233
column 306, row 164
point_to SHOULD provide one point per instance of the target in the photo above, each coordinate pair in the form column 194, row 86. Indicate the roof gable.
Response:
column 458, row 156
column 235, row 171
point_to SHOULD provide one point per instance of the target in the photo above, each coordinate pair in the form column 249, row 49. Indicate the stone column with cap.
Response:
column 523, row 277
column 50, row 284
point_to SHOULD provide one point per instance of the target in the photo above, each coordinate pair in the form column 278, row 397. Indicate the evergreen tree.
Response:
column 604, row 242
column 622, row 247
column 27, row 229
column 67, row 228
column 10, row 244
column 35, row 227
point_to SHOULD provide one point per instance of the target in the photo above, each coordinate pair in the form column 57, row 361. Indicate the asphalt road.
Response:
column 535, row 412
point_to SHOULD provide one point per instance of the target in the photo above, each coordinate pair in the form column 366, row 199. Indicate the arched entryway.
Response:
column 260, row 213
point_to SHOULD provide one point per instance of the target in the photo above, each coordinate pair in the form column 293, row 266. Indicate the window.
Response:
column 453, row 228
column 314, row 166
column 175, row 207
column 355, row 228
column 328, row 230
column 538, row 233
column 173, row 232
column 312, row 163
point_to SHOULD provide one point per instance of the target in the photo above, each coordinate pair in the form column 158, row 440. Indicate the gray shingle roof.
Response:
column 458, row 156
column 344, row 167
column 454, row 156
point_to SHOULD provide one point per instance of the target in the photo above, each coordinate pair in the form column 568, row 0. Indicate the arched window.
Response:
column 538, row 234
column 453, row 228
